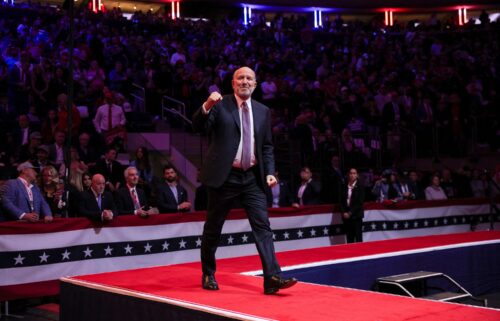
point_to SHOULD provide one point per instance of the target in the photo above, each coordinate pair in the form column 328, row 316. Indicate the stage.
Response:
column 174, row 292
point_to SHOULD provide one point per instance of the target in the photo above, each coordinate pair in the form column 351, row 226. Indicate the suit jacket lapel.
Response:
column 258, row 118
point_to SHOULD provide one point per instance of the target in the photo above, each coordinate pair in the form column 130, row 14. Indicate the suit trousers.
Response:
column 353, row 229
column 240, row 185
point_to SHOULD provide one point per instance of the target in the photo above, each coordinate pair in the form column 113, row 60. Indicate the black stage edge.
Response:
column 79, row 303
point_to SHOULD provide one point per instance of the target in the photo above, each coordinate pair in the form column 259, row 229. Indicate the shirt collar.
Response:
column 240, row 101
column 25, row 182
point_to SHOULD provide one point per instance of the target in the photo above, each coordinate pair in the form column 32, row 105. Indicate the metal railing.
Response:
column 175, row 108
column 138, row 95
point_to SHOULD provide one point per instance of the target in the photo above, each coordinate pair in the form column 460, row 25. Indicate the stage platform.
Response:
column 174, row 292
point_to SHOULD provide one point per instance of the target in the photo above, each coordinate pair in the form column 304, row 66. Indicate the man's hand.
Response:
column 48, row 219
column 346, row 215
column 107, row 215
column 213, row 99
column 31, row 217
column 184, row 206
column 271, row 180
column 142, row 213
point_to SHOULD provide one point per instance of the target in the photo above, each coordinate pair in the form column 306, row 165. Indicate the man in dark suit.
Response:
column 171, row 196
column 21, row 198
column 130, row 199
column 111, row 169
column 240, row 161
column 309, row 191
column 96, row 203
column 351, row 207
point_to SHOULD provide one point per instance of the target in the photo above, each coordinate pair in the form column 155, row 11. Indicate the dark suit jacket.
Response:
column 165, row 198
column 124, row 202
column 53, row 152
column 116, row 174
column 357, row 201
column 88, row 205
column 15, row 201
column 311, row 195
column 222, row 124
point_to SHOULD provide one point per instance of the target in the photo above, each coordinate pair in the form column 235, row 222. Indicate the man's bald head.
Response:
column 244, row 82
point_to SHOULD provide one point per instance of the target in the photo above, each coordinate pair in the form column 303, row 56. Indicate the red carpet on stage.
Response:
column 241, row 296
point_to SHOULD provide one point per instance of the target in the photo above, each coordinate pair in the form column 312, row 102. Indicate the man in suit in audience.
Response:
column 171, row 196
column 111, row 169
column 131, row 199
column 21, row 198
column 96, row 203
column 351, row 207
column 309, row 191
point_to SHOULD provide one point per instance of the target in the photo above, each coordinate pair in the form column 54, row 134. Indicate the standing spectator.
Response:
column 110, row 120
column 171, row 196
column 62, row 116
column 434, row 191
column 351, row 207
column 17, row 191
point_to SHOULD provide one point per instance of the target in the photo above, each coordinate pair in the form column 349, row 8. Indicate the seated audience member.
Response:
column 96, row 203
column 387, row 188
column 111, row 169
column 279, row 194
column 27, row 152
column 171, row 196
column 21, row 198
column 309, row 191
column 42, row 158
column 63, row 116
column 144, row 168
column 479, row 183
column 131, row 199
column 415, row 187
column 52, row 191
column 448, row 184
column 434, row 191
column 58, row 150
column 86, row 151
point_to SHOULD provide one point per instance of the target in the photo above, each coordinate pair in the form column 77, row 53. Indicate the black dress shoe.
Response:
column 276, row 283
column 208, row 282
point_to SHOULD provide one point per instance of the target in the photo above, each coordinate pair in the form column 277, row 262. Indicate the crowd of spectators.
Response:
column 344, row 93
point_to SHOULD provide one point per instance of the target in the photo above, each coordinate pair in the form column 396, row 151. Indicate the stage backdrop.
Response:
column 34, row 255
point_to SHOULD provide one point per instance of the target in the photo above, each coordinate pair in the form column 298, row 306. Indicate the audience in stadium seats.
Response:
column 334, row 96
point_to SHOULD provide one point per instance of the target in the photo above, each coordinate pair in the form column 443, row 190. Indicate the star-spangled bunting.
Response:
column 155, row 246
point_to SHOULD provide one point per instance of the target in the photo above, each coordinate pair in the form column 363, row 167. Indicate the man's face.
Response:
column 244, row 82
column 23, row 121
column 98, row 184
column 132, row 177
column 60, row 137
column 413, row 177
column 30, row 175
column 353, row 175
column 305, row 174
column 170, row 175
column 111, row 155
column 84, row 140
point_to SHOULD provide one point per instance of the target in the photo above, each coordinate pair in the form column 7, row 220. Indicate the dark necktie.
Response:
column 246, row 145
